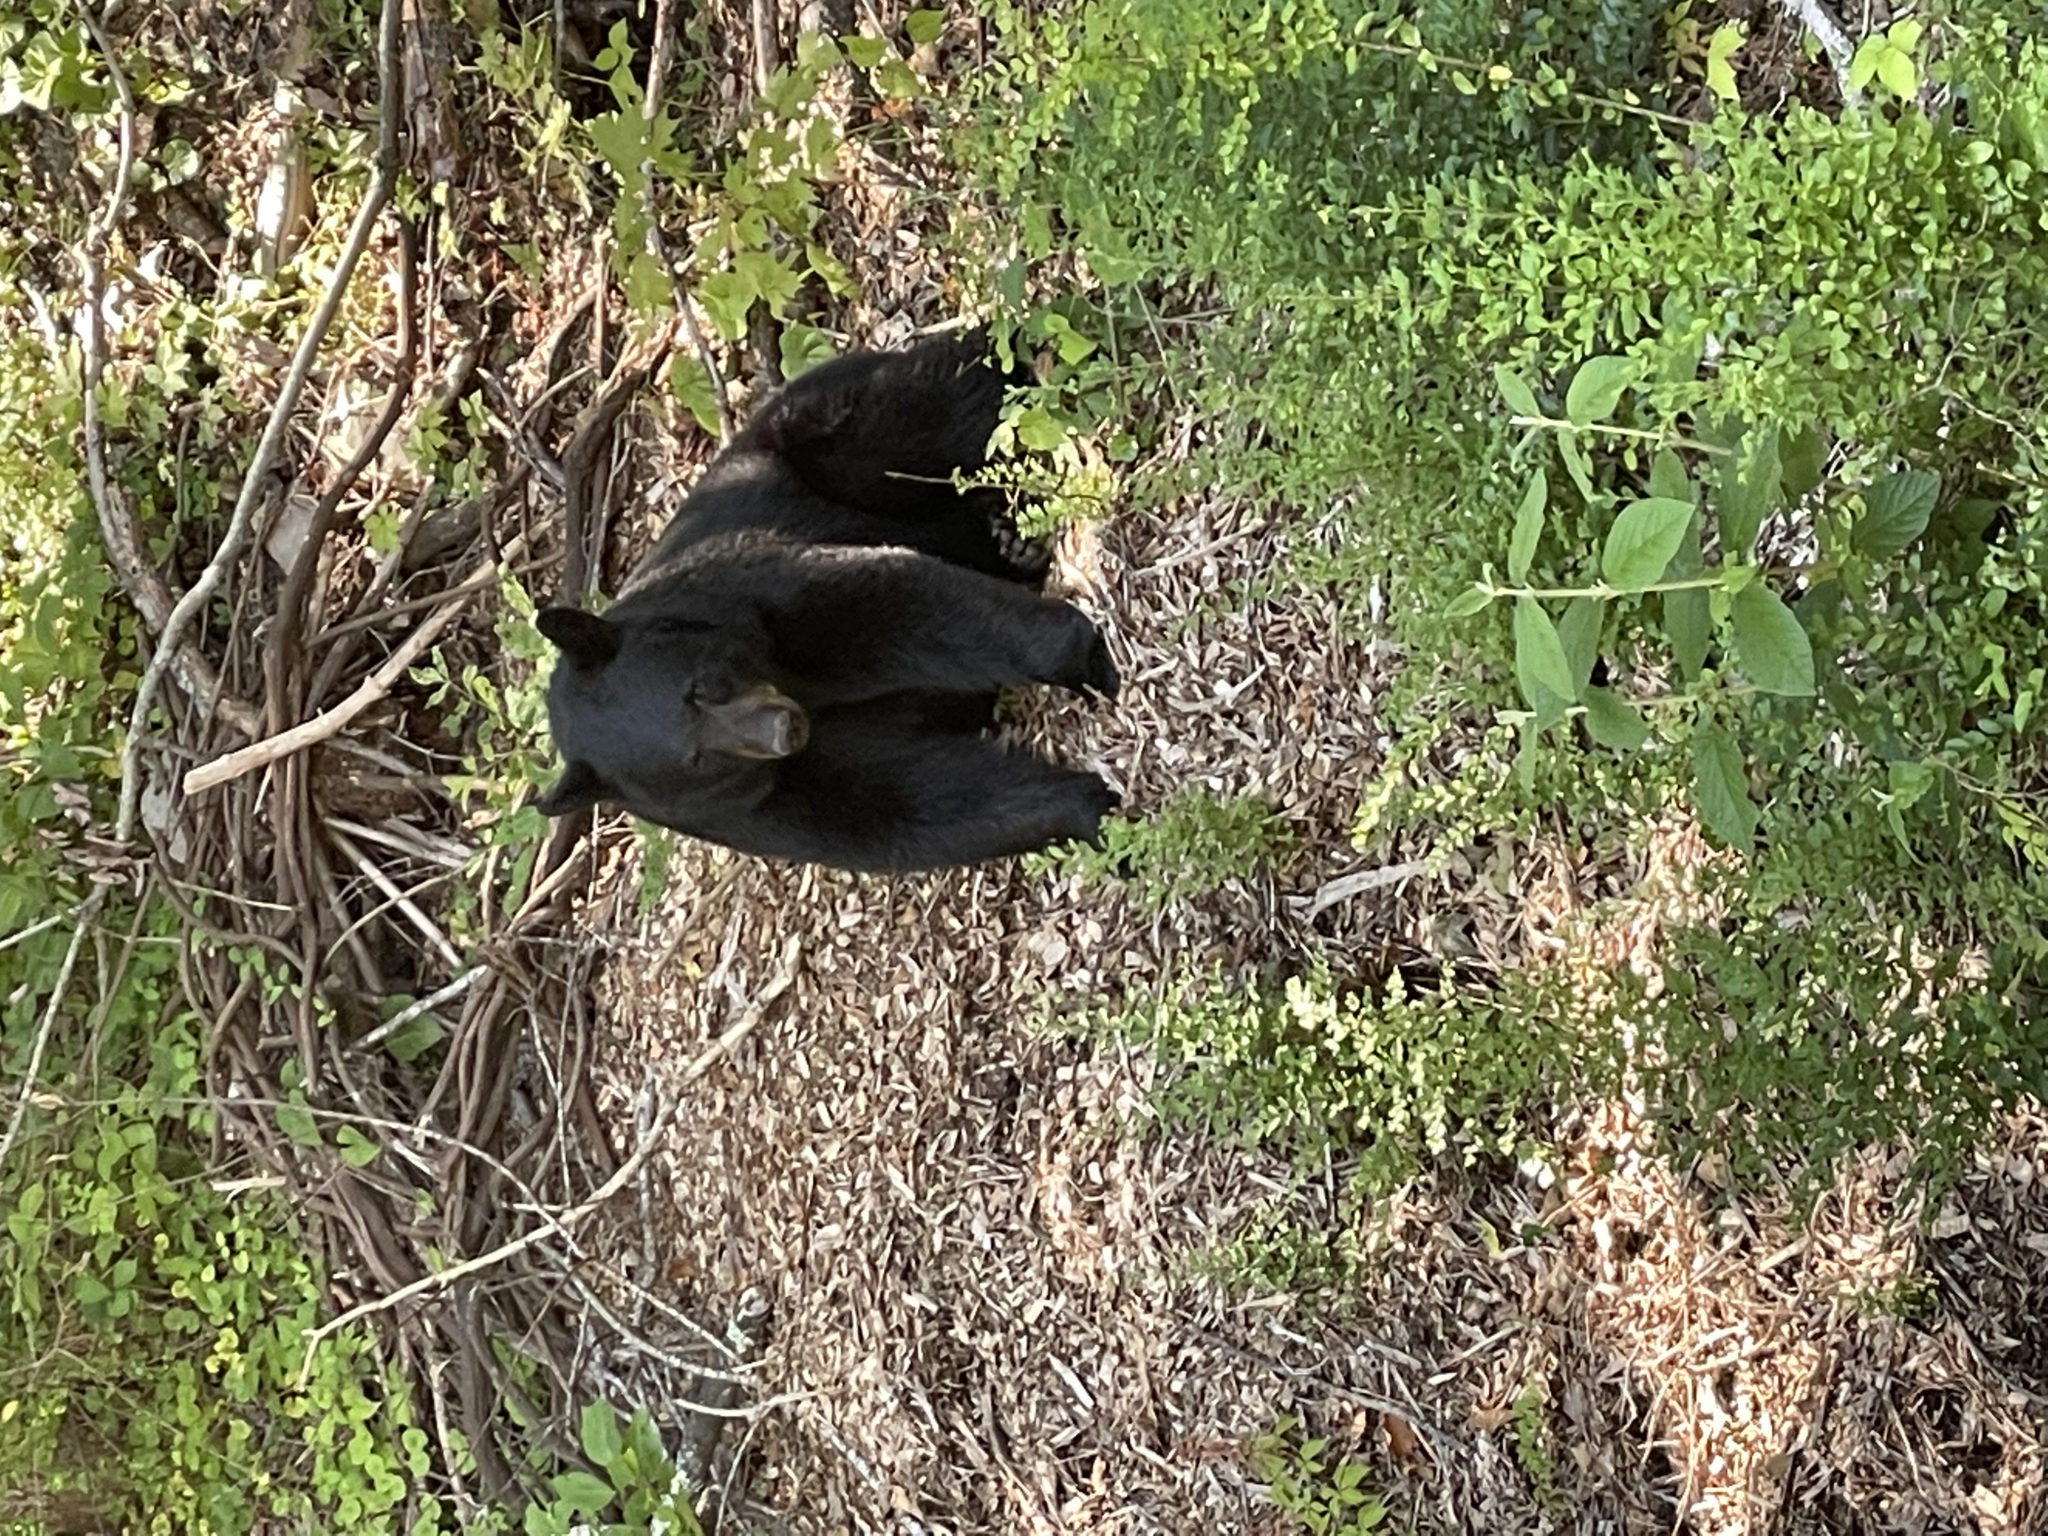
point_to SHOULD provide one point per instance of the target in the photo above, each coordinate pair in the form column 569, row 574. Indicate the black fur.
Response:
column 803, row 665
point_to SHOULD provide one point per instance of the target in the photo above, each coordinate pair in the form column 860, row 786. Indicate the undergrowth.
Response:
column 1700, row 459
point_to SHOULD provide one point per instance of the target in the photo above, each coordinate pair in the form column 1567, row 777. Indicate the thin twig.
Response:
column 84, row 918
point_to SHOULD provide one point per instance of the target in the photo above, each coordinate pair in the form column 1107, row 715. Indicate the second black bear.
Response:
column 802, row 666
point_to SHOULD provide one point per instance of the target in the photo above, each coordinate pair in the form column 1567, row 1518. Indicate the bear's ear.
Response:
column 573, row 791
column 584, row 638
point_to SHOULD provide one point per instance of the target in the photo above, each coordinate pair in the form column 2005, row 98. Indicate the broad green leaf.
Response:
column 1467, row 602
column 1520, row 397
column 1896, row 512
column 1803, row 459
column 1528, row 526
column 1645, row 535
column 865, row 52
column 1613, row 723
column 1540, row 666
column 602, row 1442
column 924, row 26
column 1597, row 388
column 1771, row 646
column 1579, row 633
column 1721, row 48
column 1668, row 477
column 1751, row 488
column 1721, row 788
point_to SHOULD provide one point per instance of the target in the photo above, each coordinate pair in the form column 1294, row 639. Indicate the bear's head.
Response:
column 660, row 714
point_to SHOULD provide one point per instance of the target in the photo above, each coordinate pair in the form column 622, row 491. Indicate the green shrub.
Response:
column 1699, row 463
column 1395, row 1075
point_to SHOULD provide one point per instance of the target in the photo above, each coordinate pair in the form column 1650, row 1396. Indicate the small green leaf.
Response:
column 1576, row 464
column 1579, row 633
column 691, row 386
column 1895, row 69
column 864, row 52
column 297, row 1123
column 602, row 1442
column 1540, row 666
column 1721, row 788
column 1612, row 723
column 1645, row 535
column 1907, row 781
column 1721, row 48
column 1896, row 512
column 924, row 26
column 356, row 1149
column 1771, row 646
column 1803, row 459
column 1520, row 398
column 804, row 347
column 1528, row 526
column 582, row 1492
column 1597, row 388
column 1668, row 477
column 1467, row 602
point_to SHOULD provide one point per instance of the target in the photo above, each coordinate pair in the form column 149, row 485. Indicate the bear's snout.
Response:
column 763, row 723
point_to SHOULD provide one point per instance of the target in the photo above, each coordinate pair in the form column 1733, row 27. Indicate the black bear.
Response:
column 804, row 663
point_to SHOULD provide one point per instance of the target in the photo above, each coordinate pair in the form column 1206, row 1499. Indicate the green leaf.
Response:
column 1597, row 388
column 602, row 1442
column 1803, row 460
column 691, row 386
column 1645, row 535
column 1721, row 788
column 1520, row 398
column 1613, row 723
column 1895, row 69
column 1579, row 633
column 1721, row 48
column 1771, row 646
column 1528, row 526
column 804, row 347
column 297, row 1123
column 864, row 52
column 357, row 1150
column 1540, row 666
column 1577, row 464
column 1751, row 487
column 924, row 26
column 1896, row 512
column 582, row 1492
column 1668, row 478
column 1467, row 602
